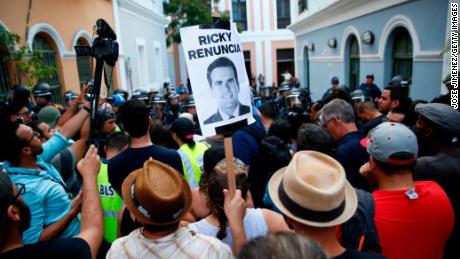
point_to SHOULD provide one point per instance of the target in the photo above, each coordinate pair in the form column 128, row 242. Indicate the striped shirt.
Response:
column 184, row 243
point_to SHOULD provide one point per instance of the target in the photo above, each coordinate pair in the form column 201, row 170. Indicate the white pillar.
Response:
column 121, row 57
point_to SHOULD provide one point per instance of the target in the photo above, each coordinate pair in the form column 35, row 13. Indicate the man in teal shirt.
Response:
column 53, row 213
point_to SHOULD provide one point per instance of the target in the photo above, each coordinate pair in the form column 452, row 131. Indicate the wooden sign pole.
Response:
column 228, row 146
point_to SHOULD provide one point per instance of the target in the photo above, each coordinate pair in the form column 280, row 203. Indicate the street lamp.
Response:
column 367, row 37
column 332, row 43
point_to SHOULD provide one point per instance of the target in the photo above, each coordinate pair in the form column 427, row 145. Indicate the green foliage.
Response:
column 185, row 13
column 28, row 62
column 188, row 13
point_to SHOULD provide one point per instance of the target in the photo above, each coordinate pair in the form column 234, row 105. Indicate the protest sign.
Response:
column 220, row 85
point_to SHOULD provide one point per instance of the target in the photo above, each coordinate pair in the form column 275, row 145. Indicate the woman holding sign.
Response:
column 257, row 222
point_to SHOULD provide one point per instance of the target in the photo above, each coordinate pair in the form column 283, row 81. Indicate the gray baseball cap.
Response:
column 440, row 114
column 392, row 143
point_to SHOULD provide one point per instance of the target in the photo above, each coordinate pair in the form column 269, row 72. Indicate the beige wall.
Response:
column 282, row 44
column 252, row 48
column 67, row 17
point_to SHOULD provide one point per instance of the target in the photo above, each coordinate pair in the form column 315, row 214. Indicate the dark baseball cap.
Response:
column 334, row 80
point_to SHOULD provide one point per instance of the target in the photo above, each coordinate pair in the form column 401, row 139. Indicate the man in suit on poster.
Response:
column 223, row 80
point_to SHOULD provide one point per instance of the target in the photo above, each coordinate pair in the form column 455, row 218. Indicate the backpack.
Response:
column 274, row 154
column 359, row 232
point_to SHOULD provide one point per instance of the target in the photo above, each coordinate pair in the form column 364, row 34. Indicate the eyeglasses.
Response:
column 21, row 190
column 323, row 123
column 24, row 113
column 35, row 134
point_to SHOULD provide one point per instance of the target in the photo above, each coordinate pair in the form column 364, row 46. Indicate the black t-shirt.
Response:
column 133, row 158
column 444, row 169
column 351, row 155
column 67, row 248
column 352, row 254
column 366, row 127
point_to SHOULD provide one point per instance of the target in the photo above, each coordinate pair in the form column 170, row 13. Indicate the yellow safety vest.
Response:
column 111, row 204
column 192, row 162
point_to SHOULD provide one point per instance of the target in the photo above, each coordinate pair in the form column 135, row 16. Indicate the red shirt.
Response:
column 413, row 228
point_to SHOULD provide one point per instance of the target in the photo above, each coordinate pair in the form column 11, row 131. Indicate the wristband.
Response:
column 87, row 109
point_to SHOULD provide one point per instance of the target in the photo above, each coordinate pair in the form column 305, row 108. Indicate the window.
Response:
column 303, row 5
column 402, row 54
column 142, row 64
column 239, row 13
column 247, row 62
column 48, row 56
column 283, row 11
column 285, row 63
column 83, row 64
column 354, row 64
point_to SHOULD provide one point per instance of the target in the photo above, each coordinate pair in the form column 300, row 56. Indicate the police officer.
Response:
column 370, row 89
column 157, row 107
column 173, row 109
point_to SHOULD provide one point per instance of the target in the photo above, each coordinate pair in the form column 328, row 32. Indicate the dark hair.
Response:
column 315, row 138
column 157, row 132
column 398, row 92
column 167, row 138
column 161, row 228
column 184, row 129
column 134, row 116
column 392, row 169
column 222, row 62
column 211, row 157
column 411, row 115
column 117, row 141
column 268, row 110
column 34, row 125
column 7, row 196
column 281, row 129
column 12, row 145
column 14, row 108
column 215, row 183
column 287, row 245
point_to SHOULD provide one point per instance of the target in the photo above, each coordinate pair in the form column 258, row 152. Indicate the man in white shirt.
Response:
column 158, row 197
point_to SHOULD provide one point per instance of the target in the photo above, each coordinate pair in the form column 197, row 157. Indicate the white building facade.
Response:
column 140, row 26
column 268, row 46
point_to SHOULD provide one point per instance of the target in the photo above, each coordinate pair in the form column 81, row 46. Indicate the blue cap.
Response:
column 118, row 100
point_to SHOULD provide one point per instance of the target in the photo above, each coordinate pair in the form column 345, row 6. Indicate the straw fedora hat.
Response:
column 313, row 190
column 156, row 194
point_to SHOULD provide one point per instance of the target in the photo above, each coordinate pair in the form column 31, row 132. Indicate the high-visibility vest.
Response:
column 111, row 204
column 192, row 162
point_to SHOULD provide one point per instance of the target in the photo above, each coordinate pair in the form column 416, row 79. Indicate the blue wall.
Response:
column 429, row 20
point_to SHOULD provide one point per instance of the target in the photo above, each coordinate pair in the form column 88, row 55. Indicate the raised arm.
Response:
column 73, row 108
column 92, row 227
column 235, row 209
column 73, row 125
column 55, row 229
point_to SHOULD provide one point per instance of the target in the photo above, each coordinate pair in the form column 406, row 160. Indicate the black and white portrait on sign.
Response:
column 217, row 72
column 225, row 87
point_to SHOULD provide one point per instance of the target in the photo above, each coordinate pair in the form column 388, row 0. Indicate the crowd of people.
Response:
column 368, row 173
